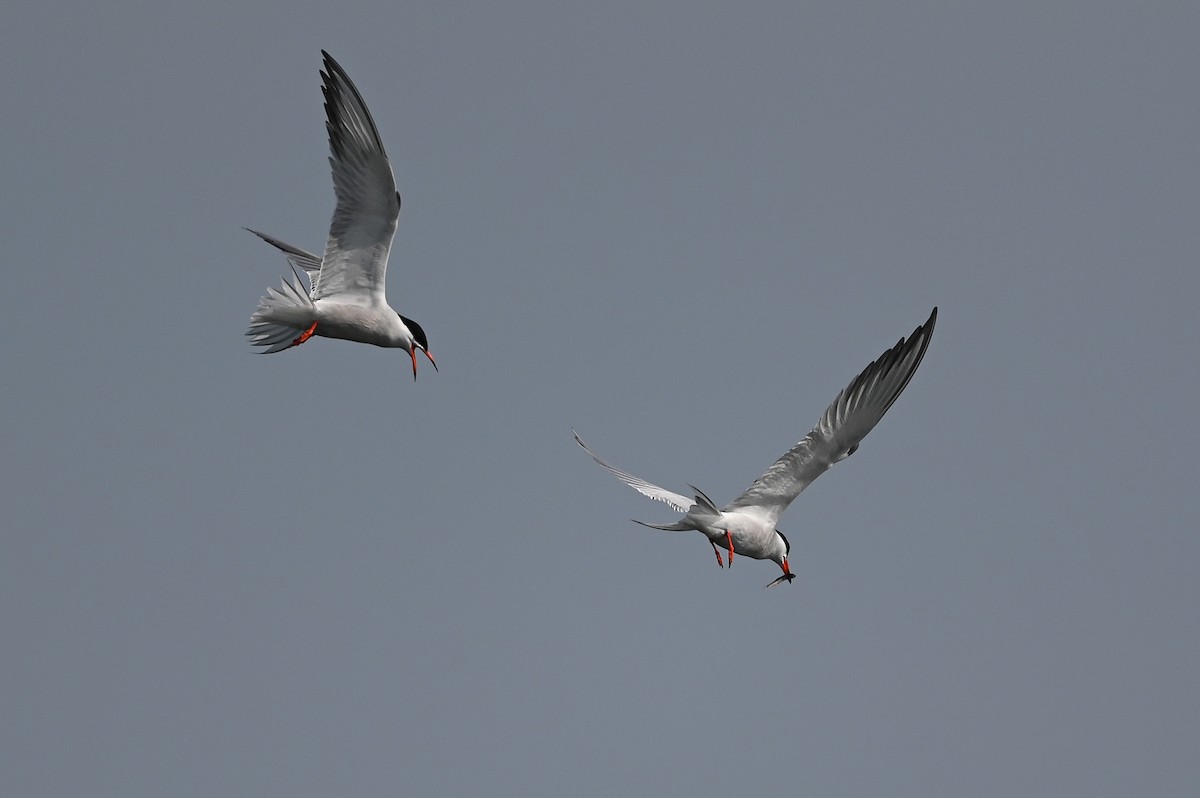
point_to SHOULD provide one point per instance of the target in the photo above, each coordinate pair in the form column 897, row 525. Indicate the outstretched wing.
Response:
column 648, row 489
column 364, row 220
column 853, row 414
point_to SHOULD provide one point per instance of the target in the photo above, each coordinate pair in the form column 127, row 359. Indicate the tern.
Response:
column 747, row 524
column 345, row 296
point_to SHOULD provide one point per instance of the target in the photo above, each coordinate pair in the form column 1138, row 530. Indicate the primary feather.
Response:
column 854, row 413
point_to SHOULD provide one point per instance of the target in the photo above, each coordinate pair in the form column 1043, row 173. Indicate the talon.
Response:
column 729, row 537
column 304, row 336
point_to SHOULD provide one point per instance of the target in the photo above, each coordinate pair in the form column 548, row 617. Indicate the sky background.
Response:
column 680, row 228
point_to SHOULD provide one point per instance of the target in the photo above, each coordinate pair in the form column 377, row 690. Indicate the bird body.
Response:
column 345, row 296
column 366, row 323
column 750, row 536
column 746, row 525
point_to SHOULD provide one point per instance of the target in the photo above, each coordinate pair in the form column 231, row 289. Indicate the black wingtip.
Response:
column 333, row 80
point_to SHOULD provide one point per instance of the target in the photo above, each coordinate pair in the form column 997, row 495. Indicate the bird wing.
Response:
column 648, row 489
column 364, row 220
column 854, row 413
column 300, row 259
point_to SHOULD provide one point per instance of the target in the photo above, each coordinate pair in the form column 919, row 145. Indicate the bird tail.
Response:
column 703, row 507
column 280, row 314
column 299, row 258
column 678, row 526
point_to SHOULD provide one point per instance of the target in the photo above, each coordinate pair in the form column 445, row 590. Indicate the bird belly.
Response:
column 749, row 539
column 363, row 323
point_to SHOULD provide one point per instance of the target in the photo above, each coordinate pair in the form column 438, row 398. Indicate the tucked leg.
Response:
column 304, row 336
column 729, row 538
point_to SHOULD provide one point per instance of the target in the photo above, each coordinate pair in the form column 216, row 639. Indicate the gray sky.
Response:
column 680, row 228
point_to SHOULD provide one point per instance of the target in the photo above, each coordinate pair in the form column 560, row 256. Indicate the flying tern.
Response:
column 345, row 295
column 747, row 524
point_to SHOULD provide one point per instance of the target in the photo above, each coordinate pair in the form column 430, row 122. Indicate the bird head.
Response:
column 420, row 341
column 782, row 549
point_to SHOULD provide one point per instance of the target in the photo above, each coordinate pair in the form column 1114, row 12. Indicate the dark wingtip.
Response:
column 929, row 323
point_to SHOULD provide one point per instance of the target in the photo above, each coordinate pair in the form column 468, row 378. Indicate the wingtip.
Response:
column 928, row 325
column 330, row 69
column 927, row 329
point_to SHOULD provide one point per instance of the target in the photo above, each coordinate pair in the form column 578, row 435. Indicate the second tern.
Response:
column 746, row 525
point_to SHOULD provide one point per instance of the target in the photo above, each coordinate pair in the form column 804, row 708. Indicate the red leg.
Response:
column 304, row 336
column 717, row 552
column 729, row 538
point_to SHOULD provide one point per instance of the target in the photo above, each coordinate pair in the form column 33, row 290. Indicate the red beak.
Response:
column 413, row 354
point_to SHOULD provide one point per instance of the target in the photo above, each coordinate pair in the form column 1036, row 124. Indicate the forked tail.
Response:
column 280, row 315
column 703, row 508
column 678, row 526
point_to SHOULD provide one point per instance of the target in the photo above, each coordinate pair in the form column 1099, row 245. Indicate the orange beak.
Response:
column 787, row 576
column 413, row 354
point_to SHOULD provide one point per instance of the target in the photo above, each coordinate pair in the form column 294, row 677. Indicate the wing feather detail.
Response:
column 360, row 236
column 647, row 489
column 854, row 413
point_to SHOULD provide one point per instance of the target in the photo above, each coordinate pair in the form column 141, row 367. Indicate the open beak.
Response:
column 413, row 354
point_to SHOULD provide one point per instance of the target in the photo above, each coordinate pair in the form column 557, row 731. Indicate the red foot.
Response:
column 729, row 538
column 716, row 551
column 304, row 336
